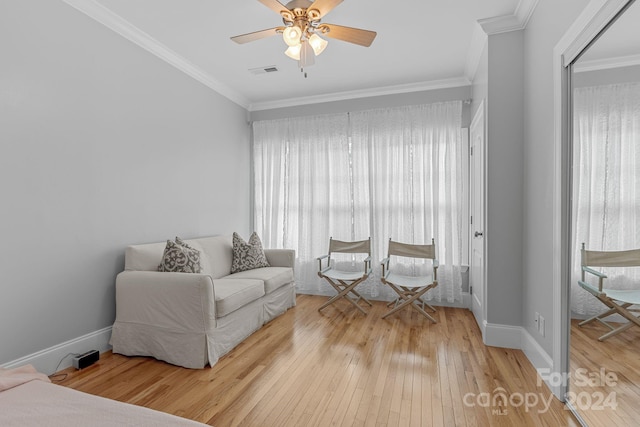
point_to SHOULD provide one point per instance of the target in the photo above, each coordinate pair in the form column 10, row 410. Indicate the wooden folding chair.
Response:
column 410, row 289
column 618, row 301
column 345, row 282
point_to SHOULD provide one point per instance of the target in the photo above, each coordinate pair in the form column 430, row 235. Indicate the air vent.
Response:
column 263, row 70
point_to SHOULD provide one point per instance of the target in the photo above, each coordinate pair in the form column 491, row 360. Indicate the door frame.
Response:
column 479, row 120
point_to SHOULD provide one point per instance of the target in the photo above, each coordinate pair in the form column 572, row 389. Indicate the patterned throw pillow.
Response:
column 180, row 258
column 181, row 242
column 247, row 256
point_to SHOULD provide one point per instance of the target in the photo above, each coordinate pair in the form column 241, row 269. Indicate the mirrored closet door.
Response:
column 604, row 353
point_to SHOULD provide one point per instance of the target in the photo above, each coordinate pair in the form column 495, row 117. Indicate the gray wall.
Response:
column 549, row 22
column 103, row 145
column 504, row 151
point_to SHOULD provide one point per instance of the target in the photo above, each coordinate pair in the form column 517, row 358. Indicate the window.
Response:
column 387, row 173
column 606, row 180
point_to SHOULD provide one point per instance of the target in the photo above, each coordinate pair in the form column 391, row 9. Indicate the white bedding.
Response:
column 28, row 398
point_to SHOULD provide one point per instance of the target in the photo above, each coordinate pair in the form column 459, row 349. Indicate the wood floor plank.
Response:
column 338, row 367
column 605, row 381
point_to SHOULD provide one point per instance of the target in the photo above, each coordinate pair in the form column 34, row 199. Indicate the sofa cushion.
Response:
column 233, row 294
column 247, row 255
column 147, row 256
column 143, row 257
column 273, row 277
column 215, row 255
column 180, row 258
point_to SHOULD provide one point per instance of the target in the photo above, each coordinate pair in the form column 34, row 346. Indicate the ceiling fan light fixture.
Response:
column 302, row 29
column 318, row 44
column 293, row 52
column 291, row 35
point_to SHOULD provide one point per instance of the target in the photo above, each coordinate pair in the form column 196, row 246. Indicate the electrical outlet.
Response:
column 541, row 325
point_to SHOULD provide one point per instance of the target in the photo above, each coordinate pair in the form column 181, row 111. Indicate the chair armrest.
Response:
column 175, row 301
column 320, row 258
column 367, row 265
column 599, row 275
column 594, row 272
column 281, row 257
column 385, row 267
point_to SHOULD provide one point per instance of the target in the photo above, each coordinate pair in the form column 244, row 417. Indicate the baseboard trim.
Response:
column 539, row 358
column 506, row 336
column 543, row 363
column 47, row 360
column 519, row 338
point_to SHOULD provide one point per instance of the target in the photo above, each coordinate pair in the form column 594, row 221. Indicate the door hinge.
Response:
column 471, row 219
column 471, row 151
column 470, row 290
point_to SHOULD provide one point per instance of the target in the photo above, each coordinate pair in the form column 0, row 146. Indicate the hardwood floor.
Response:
column 607, row 390
column 339, row 367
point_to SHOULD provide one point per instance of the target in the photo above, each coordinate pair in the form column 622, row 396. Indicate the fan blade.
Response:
column 349, row 34
column 274, row 5
column 257, row 35
column 324, row 6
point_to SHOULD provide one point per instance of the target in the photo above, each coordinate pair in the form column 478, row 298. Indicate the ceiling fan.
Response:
column 302, row 29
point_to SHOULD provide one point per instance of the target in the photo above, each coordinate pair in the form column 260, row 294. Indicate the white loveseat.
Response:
column 191, row 319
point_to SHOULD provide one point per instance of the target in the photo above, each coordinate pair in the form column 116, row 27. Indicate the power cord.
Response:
column 61, row 377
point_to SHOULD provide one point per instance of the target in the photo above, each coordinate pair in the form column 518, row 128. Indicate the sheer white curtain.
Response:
column 416, row 184
column 606, row 181
column 384, row 173
column 302, row 190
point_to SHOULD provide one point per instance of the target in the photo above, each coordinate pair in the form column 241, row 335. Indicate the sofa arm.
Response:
column 172, row 301
column 281, row 257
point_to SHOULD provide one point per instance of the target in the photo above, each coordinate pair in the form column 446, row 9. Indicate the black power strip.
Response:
column 86, row 359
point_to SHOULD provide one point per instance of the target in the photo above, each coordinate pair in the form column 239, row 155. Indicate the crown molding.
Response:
column 500, row 24
column 525, row 10
column 506, row 23
column 115, row 22
column 478, row 43
column 363, row 93
column 496, row 25
column 605, row 64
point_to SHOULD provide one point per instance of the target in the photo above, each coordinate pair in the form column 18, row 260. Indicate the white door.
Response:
column 477, row 187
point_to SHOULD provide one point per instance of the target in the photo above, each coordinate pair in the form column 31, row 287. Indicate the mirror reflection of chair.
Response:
column 618, row 301
column 410, row 288
column 345, row 282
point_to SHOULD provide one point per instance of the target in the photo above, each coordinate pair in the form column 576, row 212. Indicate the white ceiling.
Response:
column 420, row 43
